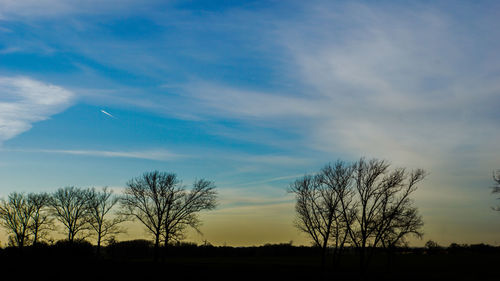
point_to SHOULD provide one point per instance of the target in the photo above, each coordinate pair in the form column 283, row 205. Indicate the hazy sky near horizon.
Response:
column 251, row 95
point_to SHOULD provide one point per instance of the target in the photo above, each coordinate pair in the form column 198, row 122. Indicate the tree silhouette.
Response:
column 160, row 202
column 69, row 206
column 364, row 204
column 147, row 199
column 184, row 206
column 319, row 207
column 384, row 212
column 15, row 215
column 99, row 205
column 496, row 187
column 338, row 178
column 41, row 221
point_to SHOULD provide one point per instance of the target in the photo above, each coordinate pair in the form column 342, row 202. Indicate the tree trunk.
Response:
column 362, row 257
column 99, row 244
column 35, row 239
column 157, row 247
column 166, row 245
column 323, row 258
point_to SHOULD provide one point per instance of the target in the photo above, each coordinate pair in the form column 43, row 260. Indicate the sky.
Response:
column 252, row 95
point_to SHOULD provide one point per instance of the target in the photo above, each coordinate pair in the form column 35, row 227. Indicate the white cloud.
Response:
column 24, row 101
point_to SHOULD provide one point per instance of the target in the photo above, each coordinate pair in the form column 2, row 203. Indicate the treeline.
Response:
column 362, row 208
column 363, row 205
column 158, row 200
column 142, row 249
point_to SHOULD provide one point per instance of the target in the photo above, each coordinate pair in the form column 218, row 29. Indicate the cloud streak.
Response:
column 157, row 155
column 59, row 8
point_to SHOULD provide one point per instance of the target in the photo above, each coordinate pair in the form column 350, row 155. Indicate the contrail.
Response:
column 103, row 111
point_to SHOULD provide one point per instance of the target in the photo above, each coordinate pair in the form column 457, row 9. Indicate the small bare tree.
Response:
column 496, row 187
column 99, row 205
column 41, row 221
column 69, row 206
column 15, row 215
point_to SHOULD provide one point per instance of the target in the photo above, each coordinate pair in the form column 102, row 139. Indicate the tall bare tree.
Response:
column 159, row 201
column 314, row 216
column 384, row 211
column 41, row 221
column 69, row 206
column 338, row 179
column 319, row 207
column 99, row 205
column 15, row 215
column 147, row 199
column 184, row 206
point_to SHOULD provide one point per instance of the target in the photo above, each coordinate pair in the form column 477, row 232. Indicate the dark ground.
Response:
column 133, row 260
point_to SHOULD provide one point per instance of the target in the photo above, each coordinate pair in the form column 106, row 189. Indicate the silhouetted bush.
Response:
column 132, row 249
column 77, row 249
column 432, row 247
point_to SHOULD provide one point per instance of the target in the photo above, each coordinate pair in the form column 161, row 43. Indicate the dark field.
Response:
column 133, row 260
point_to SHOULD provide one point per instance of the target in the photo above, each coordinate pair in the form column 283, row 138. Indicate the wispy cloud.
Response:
column 9, row 50
column 58, row 8
column 392, row 84
column 270, row 180
column 24, row 101
column 396, row 83
column 158, row 155
column 234, row 198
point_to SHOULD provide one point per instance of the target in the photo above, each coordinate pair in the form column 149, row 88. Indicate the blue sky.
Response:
column 252, row 94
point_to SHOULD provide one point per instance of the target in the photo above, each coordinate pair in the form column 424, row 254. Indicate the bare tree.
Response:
column 338, row 179
column 364, row 204
column 314, row 216
column 384, row 212
column 15, row 215
column 41, row 221
column 320, row 201
column 147, row 199
column 99, row 205
column 69, row 206
column 184, row 206
column 496, row 187
column 159, row 201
